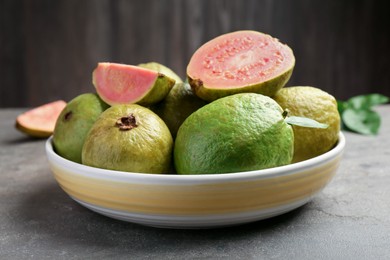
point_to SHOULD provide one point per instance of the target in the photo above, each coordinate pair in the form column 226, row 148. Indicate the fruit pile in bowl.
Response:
column 229, row 145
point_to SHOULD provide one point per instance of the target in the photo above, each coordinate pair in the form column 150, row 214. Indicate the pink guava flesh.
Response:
column 122, row 84
column 239, row 59
column 40, row 121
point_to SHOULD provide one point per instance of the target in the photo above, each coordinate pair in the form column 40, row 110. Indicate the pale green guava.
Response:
column 129, row 138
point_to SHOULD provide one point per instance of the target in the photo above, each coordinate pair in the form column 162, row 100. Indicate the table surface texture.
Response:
column 349, row 219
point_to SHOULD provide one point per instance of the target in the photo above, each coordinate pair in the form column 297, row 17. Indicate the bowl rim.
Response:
column 94, row 172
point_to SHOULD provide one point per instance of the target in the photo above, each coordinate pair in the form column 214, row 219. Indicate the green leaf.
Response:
column 363, row 121
column 367, row 101
column 304, row 122
column 341, row 106
column 357, row 114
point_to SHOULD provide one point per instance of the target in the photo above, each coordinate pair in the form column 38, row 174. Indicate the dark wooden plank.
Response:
column 64, row 40
column 12, row 82
column 48, row 49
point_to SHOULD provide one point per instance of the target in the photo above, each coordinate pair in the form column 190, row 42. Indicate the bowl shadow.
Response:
column 50, row 212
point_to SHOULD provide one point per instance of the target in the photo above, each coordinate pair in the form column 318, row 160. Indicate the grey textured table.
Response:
column 349, row 219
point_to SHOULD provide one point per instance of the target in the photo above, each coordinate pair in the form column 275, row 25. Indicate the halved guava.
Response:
column 237, row 62
column 40, row 121
column 127, row 84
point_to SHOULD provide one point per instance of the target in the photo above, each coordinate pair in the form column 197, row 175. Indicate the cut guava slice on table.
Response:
column 237, row 62
column 128, row 84
column 40, row 121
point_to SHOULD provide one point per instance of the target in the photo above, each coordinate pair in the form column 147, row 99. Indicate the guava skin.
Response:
column 267, row 88
column 73, row 124
column 314, row 103
column 129, row 138
column 161, row 69
column 158, row 92
column 177, row 106
column 241, row 132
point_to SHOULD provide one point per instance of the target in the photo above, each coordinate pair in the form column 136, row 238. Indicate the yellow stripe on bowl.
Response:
column 197, row 199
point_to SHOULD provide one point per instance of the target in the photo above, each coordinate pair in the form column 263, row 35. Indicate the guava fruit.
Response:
column 40, row 121
column 177, row 106
column 241, row 132
column 162, row 69
column 238, row 62
column 74, row 123
column 129, row 138
column 314, row 103
column 127, row 84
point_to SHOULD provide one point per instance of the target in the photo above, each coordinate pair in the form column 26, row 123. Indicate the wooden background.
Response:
column 48, row 48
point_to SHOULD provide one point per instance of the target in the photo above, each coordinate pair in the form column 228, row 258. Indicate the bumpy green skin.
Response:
column 162, row 69
column 314, row 103
column 147, row 148
column 267, row 88
column 74, row 123
column 158, row 92
column 238, row 133
column 177, row 106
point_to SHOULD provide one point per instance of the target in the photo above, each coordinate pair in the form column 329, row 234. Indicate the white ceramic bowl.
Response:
column 195, row 201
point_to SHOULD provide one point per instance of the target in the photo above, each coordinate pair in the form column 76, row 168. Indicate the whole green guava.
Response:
column 74, row 123
column 129, row 138
column 177, row 106
column 241, row 132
